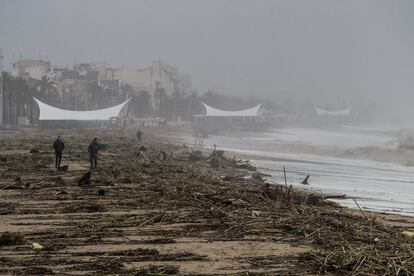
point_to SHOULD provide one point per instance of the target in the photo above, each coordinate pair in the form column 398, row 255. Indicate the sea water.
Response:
column 379, row 186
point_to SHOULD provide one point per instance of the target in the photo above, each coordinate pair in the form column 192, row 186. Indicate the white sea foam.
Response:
column 380, row 186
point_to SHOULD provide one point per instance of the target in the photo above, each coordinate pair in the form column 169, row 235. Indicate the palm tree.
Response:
column 22, row 97
column 7, row 78
column 95, row 95
column 126, row 89
column 18, row 98
column 8, row 82
column 47, row 89
column 140, row 105
column 164, row 105
column 193, row 104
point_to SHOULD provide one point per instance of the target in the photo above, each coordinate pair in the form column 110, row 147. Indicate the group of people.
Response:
column 93, row 149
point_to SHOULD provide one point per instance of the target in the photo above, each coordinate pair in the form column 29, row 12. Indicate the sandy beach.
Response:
column 178, row 211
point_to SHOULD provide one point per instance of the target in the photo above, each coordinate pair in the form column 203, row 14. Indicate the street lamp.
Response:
column 1, row 88
column 175, row 97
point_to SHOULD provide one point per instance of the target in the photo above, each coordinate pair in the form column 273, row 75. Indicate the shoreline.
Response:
column 329, row 177
column 392, row 219
column 183, row 214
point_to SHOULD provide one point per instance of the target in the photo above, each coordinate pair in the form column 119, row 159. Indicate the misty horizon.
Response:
column 207, row 137
column 324, row 51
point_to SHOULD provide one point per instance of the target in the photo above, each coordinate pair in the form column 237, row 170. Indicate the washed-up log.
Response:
column 333, row 196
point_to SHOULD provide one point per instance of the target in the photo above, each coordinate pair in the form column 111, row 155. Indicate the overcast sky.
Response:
column 332, row 50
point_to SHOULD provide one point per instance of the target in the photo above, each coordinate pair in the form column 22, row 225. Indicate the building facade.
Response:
column 159, row 79
column 34, row 69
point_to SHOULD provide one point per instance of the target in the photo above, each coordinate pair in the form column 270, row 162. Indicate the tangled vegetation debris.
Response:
column 179, row 209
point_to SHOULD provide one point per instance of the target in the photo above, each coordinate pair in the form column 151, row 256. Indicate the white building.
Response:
column 154, row 79
column 35, row 69
column 139, row 80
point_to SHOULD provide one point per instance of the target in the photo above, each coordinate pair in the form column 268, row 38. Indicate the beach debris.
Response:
column 218, row 160
column 233, row 177
column 114, row 172
column 360, row 209
column 38, row 151
column 7, row 208
column 320, row 241
column 37, row 246
column 255, row 214
column 103, row 146
column 334, row 222
column 61, row 195
column 17, row 185
column 196, row 196
column 305, row 181
column 239, row 202
column 160, row 241
column 162, row 156
column 59, row 180
column 266, row 191
column 89, row 207
column 62, row 192
column 10, row 238
column 85, row 179
column 159, row 270
column 38, row 270
column 408, row 234
column 141, row 155
column 196, row 155
column 18, row 180
column 311, row 199
column 328, row 196
column 380, row 223
column 288, row 194
column 245, row 164
column 63, row 168
column 257, row 177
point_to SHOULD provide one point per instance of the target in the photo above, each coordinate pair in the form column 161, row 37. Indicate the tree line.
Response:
column 19, row 93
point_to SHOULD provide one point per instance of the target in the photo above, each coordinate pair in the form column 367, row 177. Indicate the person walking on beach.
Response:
column 139, row 135
column 58, row 146
column 93, row 152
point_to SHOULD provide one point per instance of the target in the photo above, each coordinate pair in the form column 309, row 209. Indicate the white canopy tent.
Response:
column 51, row 113
column 214, row 112
column 343, row 112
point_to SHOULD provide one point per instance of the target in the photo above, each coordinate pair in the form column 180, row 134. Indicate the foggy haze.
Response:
column 206, row 137
column 326, row 51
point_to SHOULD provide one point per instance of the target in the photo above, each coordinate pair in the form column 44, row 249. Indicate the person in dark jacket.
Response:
column 58, row 146
column 93, row 152
column 139, row 135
